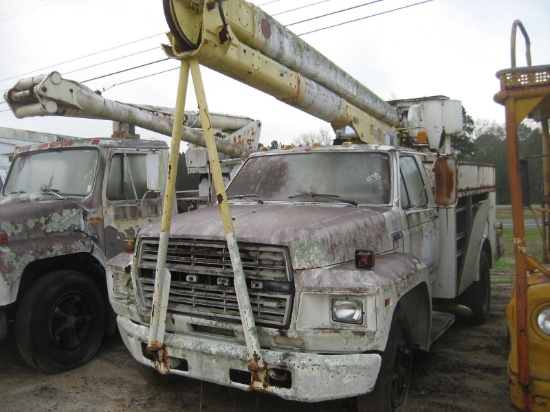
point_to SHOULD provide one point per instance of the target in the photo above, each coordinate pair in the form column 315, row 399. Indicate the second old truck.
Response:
column 353, row 255
column 70, row 205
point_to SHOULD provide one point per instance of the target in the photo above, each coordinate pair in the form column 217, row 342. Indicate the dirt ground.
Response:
column 464, row 371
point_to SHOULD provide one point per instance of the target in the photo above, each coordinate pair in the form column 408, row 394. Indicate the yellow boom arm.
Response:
column 238, row 39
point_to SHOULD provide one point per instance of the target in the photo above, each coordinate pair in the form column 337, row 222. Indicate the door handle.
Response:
column 397, row 235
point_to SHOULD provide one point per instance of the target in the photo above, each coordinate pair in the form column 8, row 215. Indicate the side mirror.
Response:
column 446, row 181
column 155, row 171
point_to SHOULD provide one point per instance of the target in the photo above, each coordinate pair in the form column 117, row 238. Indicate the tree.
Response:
column 324, row 136
column 185, row 181
column 491, row 148
column 275, row 145
column 463, row 144
column 530, row 149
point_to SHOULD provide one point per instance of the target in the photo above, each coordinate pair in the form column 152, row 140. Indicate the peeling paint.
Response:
column 61, row 222
column 11, row 229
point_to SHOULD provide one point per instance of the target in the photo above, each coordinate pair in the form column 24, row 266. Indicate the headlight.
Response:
column 348, row 311
column 543, row 320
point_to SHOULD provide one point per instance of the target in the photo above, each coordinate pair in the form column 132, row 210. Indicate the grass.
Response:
column 504, row 212
column 506, row 262
column 533, row 242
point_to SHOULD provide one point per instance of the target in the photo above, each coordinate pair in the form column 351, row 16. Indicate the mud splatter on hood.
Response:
column 22, row 214
column 316, row 235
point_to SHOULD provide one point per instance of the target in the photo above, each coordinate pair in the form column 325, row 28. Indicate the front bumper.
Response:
column 314, row 377
column 538, row 389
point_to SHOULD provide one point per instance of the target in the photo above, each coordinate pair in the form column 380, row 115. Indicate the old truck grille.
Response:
column 202, row 280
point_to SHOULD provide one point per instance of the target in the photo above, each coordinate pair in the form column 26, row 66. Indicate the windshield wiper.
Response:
column 251, row 195
column 324, row 196
column 53, row 192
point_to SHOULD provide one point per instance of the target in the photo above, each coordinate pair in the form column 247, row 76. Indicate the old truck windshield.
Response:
column 362, row 177
column 65, row 172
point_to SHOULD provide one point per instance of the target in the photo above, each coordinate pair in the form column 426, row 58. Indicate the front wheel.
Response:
column 392, row 386
column 60, row 322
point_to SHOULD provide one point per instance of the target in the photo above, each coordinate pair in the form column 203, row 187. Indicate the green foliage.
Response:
column 275, row 145
column 185, row 181
column 463, row 145
column 490, row 147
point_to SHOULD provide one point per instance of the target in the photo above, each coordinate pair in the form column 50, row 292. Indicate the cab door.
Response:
column 127, row 202
column 420, row 230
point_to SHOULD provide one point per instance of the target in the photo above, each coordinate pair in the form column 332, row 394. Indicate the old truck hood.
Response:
column 37, row 227
column 315, row 235
column 25, row 213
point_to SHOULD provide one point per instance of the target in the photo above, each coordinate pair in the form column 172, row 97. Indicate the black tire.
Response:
column 478, row 296
column 392, row 386
column 111, row 327
column 153, row 376
column 60, row 322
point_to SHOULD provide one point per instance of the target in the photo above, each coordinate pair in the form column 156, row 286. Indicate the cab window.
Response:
column 127, row 177
column 413, row 189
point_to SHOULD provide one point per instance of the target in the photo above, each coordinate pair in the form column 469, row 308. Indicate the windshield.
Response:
column 66, row 172
column 362, row 177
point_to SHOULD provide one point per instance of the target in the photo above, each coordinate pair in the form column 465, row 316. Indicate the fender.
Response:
column 37, row 238
column 397, row 279
column 474, row 246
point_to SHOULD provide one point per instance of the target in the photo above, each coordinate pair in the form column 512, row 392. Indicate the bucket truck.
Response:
column 331, row 264
column 70, row 205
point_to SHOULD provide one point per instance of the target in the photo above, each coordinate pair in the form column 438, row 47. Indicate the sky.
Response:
column 440, row 47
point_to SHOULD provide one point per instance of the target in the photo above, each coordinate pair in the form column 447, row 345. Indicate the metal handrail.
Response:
column 513, row 43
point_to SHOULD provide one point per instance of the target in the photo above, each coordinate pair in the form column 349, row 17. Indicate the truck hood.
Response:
column 22, row 214
column 315, row 235
column 37, row 227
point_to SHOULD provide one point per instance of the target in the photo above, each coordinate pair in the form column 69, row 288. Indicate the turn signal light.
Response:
column 422, row 137
column 364, row 259
column 3, row 238
column 129, row 244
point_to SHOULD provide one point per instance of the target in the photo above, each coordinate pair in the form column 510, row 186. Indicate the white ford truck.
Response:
column 349, row 264
column 330, row 264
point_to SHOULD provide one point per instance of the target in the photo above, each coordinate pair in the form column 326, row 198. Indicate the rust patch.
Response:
column 266, row 28
column 97, row 219
column 220, row 198
column 254, row 363
column 158, row 354
column 445, row 182
column 258, row 374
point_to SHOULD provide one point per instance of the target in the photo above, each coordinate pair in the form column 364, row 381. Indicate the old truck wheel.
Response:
column 60, row 322
column 478, row 296
column 153, row 376
column 392, row 387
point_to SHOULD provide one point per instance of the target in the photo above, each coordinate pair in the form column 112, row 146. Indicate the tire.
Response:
column 392, row 386
column 153, row 376
column 60, row 322
column 111, row 327
column 478, row 296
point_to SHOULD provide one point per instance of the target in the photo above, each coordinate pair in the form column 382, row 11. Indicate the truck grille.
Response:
column 202, row 280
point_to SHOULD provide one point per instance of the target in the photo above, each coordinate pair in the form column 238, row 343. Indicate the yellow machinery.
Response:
column 525, row 93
